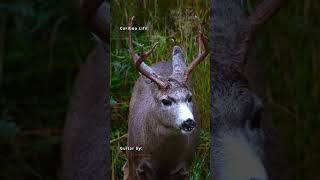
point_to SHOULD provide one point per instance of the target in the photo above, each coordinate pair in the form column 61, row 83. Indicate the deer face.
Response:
column 174, row 105
column 237, row 133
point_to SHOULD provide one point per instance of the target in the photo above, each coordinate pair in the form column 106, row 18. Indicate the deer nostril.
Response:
column 188, row 125
column 191, row 123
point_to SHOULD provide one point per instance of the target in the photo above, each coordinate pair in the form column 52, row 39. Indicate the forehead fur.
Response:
column 176, row 88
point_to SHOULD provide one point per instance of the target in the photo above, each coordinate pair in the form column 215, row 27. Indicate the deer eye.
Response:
column 190, row 99
column 166, row 102
column 255, row 122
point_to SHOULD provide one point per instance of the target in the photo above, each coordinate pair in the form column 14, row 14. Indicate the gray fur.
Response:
column 85, row 136
column 235, row 107
column 167, row 152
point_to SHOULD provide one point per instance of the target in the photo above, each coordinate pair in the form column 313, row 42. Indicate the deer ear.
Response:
column 179, row 64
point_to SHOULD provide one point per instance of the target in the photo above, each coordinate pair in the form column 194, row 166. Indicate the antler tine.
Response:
column 202, row 53
column 261, row 14
column 133, row 55
column 138, row 60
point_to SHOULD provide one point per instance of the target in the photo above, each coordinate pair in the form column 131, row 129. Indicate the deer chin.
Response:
column 176, row 129
column 186, row 131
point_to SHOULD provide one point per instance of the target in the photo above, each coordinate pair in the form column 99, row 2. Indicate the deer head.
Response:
column 171, row 93
column 238, row 136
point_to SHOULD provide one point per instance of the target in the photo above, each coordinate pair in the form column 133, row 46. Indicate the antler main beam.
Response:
column 261, row 14
column 202, row 53
column 139, row 61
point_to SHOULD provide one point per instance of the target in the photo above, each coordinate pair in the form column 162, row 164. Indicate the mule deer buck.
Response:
column 241, row 145
column 162, row 118
column 85, row 153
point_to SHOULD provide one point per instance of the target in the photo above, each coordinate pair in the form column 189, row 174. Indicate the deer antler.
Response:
column 202, row 53
column 94, row 13
column 261, row 14
column 141, row 66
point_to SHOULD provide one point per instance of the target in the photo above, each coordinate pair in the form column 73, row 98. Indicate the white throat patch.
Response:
column 238, row 160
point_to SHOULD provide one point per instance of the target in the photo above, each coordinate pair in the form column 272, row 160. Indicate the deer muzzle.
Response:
column 185, row 119
column 188, row 125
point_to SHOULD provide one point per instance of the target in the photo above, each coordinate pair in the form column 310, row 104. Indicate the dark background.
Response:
column 288, row 49
column 42, row 44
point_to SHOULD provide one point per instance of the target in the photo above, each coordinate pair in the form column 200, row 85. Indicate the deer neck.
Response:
column 159, row 135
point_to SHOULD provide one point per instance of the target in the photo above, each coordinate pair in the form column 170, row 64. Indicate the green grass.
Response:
column 201, row 164
column 289, row 49
column 167, row 26
column 199, row 169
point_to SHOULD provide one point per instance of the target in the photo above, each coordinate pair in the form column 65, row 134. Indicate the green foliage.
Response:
column 118, row 157
column 176, row 23
column 167, row 26
column 201, row 165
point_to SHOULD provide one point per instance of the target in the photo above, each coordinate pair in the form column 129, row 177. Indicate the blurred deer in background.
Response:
column 241, row 146
column 85, row 153
column 162, row 116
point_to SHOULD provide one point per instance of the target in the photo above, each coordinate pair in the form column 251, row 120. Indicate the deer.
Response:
column 243, row 146
column 85, row 143
column 162, row 115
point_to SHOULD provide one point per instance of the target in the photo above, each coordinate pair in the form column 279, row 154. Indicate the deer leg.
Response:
column 125, row 170
column 180, row 174
column 145, row 171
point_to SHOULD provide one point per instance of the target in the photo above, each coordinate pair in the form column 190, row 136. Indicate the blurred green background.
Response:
column 169, row 23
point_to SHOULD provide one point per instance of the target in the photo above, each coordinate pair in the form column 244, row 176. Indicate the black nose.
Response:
column 188, row 125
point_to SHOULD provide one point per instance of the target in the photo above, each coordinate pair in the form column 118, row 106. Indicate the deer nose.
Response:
column 188, row 125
